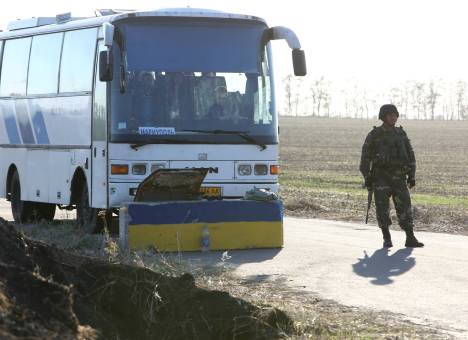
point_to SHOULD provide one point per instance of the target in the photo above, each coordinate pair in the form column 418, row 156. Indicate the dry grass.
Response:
column 320, row 176
column 314, row 318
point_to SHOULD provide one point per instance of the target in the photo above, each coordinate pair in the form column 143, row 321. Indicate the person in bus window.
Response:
column 226, row 106
column 144, row 100
column 217, row 109
column 205, row 94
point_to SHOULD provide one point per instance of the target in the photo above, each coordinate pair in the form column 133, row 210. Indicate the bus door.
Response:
column 99, row 197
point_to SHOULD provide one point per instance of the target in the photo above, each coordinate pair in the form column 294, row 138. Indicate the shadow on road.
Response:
column 239, row 257
column 232, row 258
column 381, row 266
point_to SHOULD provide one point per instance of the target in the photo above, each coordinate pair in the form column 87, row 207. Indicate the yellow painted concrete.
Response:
column 223, row 236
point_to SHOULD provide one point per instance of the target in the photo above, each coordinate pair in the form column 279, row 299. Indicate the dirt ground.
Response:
column 320, row 176
column 47, row 293
column 312, row 316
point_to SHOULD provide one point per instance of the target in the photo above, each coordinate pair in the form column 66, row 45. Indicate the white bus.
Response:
column 89, row 107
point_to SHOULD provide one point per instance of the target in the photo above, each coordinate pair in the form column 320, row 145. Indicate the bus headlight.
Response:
column 139, row 169
column 261, row 169
column 244, row 169
column 157, row 166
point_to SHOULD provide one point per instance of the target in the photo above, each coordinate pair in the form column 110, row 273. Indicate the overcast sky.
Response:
column 379, row 43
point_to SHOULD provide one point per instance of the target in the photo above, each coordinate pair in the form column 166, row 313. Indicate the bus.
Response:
column 89, row 107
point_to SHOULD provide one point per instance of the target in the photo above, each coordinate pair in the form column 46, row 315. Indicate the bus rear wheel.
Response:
column 22, row 210
column 87, row 217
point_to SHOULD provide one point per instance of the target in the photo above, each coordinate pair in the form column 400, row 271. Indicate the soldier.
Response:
column 389, row 167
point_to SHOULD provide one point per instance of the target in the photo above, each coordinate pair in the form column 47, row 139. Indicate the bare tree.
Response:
column 434, row 99
column 288, row 96
column 452, row 101
column 460, row 99
column 326, row 104
column 405, row 98
column 395, row 96
column 355, row 98
column 418, row 99
column 432, row 96
column 297, row 90
column 319, row 94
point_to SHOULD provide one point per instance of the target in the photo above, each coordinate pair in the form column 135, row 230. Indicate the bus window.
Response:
column 76, row 69
column 15, row 67
column 44, row 63
column 1, row 49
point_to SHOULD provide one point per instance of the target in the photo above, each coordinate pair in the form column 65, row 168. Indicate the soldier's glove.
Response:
column 368, row 183
column 411, row 182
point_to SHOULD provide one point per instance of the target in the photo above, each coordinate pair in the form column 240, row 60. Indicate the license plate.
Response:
column 211, row 191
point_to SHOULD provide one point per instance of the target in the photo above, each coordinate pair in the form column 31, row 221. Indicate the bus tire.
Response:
column 87, row 217
column 22, row 210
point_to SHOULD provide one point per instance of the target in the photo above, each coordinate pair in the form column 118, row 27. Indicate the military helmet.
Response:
column 386, row 109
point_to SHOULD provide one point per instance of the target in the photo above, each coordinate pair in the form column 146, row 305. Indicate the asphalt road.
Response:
column 345, row 262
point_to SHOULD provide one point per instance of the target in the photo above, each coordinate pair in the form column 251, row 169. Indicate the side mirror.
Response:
column 299, row 62
column 280, row 32
column 106, row 66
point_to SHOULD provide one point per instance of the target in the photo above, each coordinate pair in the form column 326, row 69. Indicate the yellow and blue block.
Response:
column 179, row 226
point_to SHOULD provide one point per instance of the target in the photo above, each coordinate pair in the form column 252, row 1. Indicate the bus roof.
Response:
column 34, row 26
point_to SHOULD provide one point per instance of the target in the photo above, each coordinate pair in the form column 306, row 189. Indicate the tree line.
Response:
column 320, row 97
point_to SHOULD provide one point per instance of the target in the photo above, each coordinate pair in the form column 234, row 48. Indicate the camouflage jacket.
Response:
column 388, row 150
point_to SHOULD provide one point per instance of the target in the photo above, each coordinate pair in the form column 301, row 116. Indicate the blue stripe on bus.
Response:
column 10, row 122
column 204, row 212
column 39, row 126
column 23, row 122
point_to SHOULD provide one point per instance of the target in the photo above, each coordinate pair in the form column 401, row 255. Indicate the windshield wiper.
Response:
column 135, row 146
column 243, row 134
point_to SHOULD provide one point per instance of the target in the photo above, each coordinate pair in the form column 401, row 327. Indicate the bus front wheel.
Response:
column 87, row 217
column 22, row 210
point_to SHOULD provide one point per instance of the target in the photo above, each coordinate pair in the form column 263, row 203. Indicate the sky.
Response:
column 378, row 43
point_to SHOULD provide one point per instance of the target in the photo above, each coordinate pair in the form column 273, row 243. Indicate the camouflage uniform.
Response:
column 388, row 164
column 389, row 153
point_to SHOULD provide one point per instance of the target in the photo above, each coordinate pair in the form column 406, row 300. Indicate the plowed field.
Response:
column 320, row 178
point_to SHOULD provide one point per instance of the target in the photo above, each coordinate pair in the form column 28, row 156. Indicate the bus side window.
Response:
column 77, row 66
column 15, row 67
column 44, row 64
column 1, row 50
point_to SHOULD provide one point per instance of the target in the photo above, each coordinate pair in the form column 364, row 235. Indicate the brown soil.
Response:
column 48, row 293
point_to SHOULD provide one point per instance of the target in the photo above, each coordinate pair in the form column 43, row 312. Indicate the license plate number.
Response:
column 211, row 191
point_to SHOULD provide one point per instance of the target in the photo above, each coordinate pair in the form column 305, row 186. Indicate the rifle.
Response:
column 370, row 191
column 369, row 201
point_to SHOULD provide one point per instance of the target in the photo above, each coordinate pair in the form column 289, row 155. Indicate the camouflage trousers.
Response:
column 395, row 188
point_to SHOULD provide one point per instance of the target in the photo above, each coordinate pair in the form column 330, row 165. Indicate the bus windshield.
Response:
column 183, row 81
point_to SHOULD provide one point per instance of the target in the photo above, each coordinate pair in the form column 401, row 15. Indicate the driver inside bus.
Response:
column 226, row 105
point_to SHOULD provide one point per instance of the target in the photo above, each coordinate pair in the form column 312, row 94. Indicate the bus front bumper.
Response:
column 120, row 192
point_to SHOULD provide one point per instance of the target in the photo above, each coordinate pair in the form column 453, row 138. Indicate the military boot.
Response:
column 387, row 243
column 411, row 240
